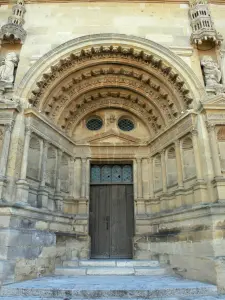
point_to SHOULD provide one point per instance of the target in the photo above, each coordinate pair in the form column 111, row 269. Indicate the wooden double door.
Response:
column 111, row 212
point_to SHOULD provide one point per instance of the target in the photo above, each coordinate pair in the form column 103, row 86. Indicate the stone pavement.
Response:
column 109, row 287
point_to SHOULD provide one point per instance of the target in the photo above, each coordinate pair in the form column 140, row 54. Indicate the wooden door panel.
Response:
column 121, row 217
column 100, row 238
column 111, row 215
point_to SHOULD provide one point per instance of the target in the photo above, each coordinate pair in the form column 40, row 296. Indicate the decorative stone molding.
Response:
column 73, row 85
column 13, row 31
column 203, row 28
column 109, row 53
column 212, row 75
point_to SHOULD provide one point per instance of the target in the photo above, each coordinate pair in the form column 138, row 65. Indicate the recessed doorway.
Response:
column 111, row 223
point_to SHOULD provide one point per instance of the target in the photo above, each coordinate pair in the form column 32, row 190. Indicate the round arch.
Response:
column 48, row 60
column 66, row 79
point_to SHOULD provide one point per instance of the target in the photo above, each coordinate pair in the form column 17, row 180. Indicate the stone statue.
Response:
column 211, row 72
column 7, row 73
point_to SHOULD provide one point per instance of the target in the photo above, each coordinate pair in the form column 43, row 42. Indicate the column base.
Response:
column 3, row 182
column 42, row 199
column 82, row 206
column 59, row 201
column 140, row 206
column 22, row 191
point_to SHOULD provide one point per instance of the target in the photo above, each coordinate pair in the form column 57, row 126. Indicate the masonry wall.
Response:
column 50, row 25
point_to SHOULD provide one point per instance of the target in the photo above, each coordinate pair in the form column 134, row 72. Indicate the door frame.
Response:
column 112, row 162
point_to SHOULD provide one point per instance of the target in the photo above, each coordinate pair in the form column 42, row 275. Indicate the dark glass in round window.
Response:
column 126, row 124
column 94, row 124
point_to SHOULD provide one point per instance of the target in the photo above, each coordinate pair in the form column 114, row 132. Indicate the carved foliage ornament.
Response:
column 105, row 86
column 103, row 53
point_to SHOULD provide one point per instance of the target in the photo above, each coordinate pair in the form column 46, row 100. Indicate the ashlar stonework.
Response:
column 156, row 108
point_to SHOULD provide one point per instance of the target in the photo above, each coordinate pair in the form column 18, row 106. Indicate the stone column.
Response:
column 135, row 183
column 83, row 177
column 140, row 202
column 4, row 156
column 22, row 184
column 151, row 178
column 71, row 177
column 58, row 196
column 43, row 193
column 83, row 200
column 139, row 179
column 163, row 166
column 145, row 178
column 5, row 149
column 87, row 179
column 77, row 182
column 214, row 150
column 23, row 172
column 179, row 165
column 58, row 181
column 197, row 155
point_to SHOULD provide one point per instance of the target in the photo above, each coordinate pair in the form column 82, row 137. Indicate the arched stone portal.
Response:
column 111, row 102
column 109, row 79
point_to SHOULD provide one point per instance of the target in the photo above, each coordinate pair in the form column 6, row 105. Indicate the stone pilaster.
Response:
column 140, row 202
column 58, row 196
column 214, row 150
column 87, row 189
column 139, row 179
column 43, row 193
column 77, row 175
column 151, row 177
column 179, row 165
column 83, row 200
column 72, row 177
column 83, row 177
column 22, row 184
column 163, row 165
column 199, row 173
column 145, row 178
column 5, row 149
column 135, row 183
column 4, row 157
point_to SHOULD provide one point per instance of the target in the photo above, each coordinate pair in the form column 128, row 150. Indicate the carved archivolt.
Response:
column 98, row 73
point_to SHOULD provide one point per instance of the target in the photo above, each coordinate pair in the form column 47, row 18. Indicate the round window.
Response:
column 94, row 123
column 126, row 124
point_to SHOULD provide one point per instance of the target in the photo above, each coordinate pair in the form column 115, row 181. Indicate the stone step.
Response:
column 112, row 263
column 119, row 271
column 170, row 298
column 106, row 287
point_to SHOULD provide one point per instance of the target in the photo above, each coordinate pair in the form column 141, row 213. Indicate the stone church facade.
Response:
column 112, row 122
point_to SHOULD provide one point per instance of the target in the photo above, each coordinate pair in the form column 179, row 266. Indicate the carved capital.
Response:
column 194, row 132
column 83, row 160
column 9, row 126
column 28, row 131
column 59, row 152
column 162, row 152
column 177, row 143
column 46, row 143
column 210, row 127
